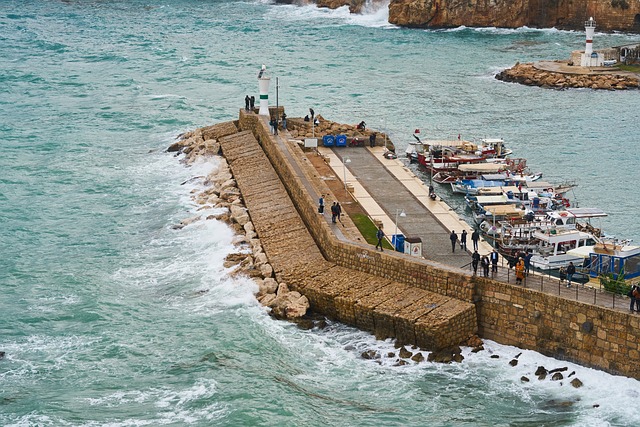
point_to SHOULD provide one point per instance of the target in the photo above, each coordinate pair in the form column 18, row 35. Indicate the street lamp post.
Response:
column 401, row 214
column 345, row 160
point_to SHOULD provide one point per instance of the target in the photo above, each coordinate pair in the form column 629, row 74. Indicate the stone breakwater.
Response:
column 221, row 193
column 528, row 74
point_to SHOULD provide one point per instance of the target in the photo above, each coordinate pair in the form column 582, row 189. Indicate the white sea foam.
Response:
column 373, row 15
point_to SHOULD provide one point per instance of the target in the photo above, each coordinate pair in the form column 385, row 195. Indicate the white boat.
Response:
column 554, row 245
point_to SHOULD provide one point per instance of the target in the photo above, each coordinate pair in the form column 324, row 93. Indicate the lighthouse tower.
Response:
column 588, row 58
column 263, row 87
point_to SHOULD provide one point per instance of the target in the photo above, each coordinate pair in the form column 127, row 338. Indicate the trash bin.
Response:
column 341, row 141
column 328, row 140
column 397, row 240
column 413, row 246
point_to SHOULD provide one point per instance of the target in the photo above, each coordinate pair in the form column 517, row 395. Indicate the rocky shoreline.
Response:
column 528, row 74
column 220, row 191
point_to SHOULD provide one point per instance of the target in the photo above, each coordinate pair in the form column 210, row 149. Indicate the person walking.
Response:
column 494, row 261
column 634, row 294
column 454, row 239
column 571, row 270
column 334, row 212
column 339, row 212
column 463, row 240
column 527, row 262
column 321, row 204
column 475, row 259
column 562, row 274
column 484, row 262
column 379, row 236
column 475, row 236
column 519, row 271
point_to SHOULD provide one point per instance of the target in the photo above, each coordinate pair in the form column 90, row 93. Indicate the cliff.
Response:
column 611, row 15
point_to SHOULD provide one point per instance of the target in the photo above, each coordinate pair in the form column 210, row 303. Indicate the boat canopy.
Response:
column 494, row 176
column 583, row 252
column 482, row 167
column 539, row 185
column 587, row 212
column 511, row 210
column 493, row 200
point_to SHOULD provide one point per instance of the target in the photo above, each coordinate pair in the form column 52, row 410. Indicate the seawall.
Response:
column 417, row 301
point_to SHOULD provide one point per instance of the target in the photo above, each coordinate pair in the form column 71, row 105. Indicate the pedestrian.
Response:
column 527, row 262
column 484, row 262
column 454, row 239
column 252, row 102
column 312, row 113
column 284, row 121
column 380, row 236
column 571, row 270
column 334, row 212
column 634, row 294
column 339, row 211
column 321, row 204
column 372, row 140
column 272, row 123
column 463, row 240
column 475, row 258
column 519, row 271
column 475, row 236
column 562, row 274
column 247, row 101
column 494, row 261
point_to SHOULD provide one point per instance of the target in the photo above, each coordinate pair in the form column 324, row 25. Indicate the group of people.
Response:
column 249, row 102
column 312, row 117
column 336, row 210
column 475, row 238
column 274, row 124
column 566, row 274
column 485, row 262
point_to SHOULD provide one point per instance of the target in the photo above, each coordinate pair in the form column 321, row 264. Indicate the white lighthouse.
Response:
column 263, row 87
column 589, row 57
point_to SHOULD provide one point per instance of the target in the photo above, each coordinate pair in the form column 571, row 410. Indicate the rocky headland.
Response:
column 612, row 15
column 530, row 75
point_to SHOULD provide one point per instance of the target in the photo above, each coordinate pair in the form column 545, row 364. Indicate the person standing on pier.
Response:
column 634, row 294
column 284, row 121
column 246, row 102
column 379, row 236
column 484, row 262
column 454, row 239
column 475, row 236
column 312, row 113
column 463, row 240
column 571, row 270
column 339, row 212
column 494, row 261
column 475, row 258
column 334, row 212
column 252, row 102
column 372, row 140
column 519, row 271
column 527, row 262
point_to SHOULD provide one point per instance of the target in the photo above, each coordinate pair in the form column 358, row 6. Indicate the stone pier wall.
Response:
column 582, row 333
column 385, row 307
column 380, row 286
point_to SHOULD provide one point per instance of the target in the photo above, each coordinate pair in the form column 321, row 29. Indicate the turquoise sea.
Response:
column 110, row 317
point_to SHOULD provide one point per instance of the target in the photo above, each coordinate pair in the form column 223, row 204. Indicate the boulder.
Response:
column 576, row 383
column 404, row 353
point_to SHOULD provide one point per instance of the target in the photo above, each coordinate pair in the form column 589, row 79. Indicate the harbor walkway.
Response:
column 386, row 187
